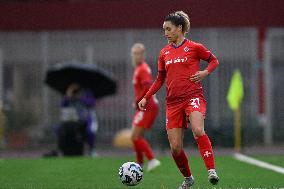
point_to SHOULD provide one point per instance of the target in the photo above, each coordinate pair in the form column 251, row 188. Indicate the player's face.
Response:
column 172, row 32
column 137, row 55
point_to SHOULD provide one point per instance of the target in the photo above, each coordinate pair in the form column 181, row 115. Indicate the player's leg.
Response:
column 196, row 119
column 176, row 123
column 175, row 136
column 137, row 133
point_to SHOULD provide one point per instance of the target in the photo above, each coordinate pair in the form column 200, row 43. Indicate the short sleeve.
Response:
column 161, row 63
column 203, row 52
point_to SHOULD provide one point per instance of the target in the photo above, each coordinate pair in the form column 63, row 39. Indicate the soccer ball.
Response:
column 130, row 173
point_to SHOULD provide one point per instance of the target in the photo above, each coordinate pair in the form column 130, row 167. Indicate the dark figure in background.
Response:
column 78, row 121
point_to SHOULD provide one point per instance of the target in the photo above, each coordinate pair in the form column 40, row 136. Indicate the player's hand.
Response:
column 198, row 76
column 142, row 104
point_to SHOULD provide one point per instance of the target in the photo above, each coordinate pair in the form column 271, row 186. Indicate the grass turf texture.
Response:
column 102, row 173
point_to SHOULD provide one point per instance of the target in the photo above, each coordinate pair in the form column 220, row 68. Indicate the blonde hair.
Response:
column 138, row 45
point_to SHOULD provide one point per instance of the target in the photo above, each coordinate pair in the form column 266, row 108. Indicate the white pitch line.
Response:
column 258, row 163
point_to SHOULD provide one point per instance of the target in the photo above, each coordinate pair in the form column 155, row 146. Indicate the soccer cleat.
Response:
column 187, row 183
column 212, row 176
column 153, row 164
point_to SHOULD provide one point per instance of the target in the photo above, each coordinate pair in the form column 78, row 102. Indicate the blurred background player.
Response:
column 179, row 65
column 143, row 120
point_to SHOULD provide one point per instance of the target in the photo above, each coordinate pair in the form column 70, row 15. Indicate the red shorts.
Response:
column 146, row 118
column 176, row 114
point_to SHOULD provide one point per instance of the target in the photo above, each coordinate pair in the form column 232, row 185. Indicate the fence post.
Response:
column 44, row 65
column 268, row 93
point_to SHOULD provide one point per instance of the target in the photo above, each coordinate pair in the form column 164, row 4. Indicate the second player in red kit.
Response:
column 179, row 66
column 143, row 120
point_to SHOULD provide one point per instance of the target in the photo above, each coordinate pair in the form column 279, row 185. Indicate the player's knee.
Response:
column 134, row 137
column 198, row 131
column 176, row 148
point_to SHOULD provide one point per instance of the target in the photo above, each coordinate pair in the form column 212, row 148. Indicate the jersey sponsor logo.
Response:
column 195, row 102
column 168, row 52
column 176, row 60
column 186, row 49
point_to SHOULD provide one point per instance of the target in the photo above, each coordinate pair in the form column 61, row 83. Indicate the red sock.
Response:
column 139, row 153
column 145, row 147
column 206, row 151
column 182, row 163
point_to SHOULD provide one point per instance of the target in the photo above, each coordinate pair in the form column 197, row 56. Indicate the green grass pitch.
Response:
column 102, row 173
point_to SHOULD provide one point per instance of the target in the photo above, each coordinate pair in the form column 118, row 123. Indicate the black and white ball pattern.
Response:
column 130, row 173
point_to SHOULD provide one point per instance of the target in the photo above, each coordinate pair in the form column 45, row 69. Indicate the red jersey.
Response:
column 176, row 65
column 142, row 80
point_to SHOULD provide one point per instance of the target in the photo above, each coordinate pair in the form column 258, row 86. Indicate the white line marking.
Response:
column 258, row 163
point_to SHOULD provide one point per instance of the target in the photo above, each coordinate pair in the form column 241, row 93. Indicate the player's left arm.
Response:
column 204, row 54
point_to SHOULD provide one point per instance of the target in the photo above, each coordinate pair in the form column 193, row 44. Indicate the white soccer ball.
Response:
column 130, row 173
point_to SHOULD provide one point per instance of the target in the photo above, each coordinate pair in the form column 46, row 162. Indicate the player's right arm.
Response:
column 157, row 84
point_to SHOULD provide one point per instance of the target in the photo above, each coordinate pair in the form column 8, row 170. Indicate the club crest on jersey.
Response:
column 186, row 49
column 176, row 60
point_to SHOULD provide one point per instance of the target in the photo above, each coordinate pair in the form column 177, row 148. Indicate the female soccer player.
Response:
column 143, row 120
column 179, row 65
